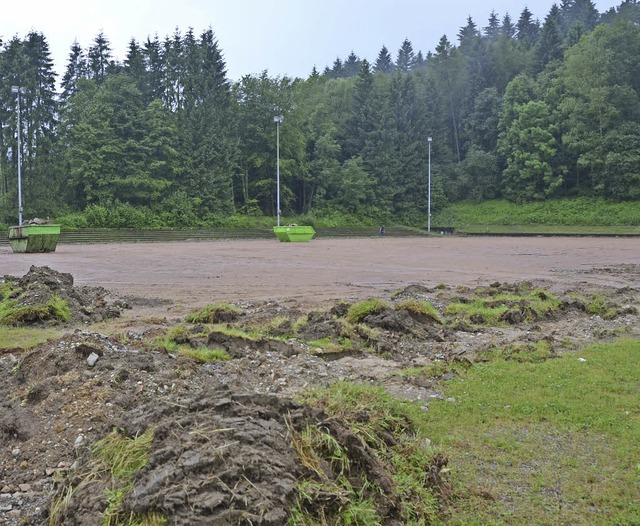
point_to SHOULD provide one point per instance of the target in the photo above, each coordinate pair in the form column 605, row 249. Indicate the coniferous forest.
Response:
column 525, row 108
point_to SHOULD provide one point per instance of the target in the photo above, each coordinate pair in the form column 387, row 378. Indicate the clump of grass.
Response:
column 300, row 322
column 205, row 355
column 420, row 308
column 123, row 457
column 563, row 431
column 119, row 458
column 359, row 311
column 493, row 307
column 598, row 305
column 13, row 314
column 394, row 431
column 214, row 313
column 237, row 332
column 176, row 337
column 476, row 312
column 178, row 333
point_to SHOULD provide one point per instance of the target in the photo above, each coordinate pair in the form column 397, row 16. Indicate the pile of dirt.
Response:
column 34, row 291
column 220, row 454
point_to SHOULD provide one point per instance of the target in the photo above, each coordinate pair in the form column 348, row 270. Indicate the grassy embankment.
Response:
column 580, row 216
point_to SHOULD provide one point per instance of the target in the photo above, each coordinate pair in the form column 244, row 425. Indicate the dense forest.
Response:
column 519, row 108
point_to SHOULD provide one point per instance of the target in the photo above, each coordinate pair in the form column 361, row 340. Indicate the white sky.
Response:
column 285, row 37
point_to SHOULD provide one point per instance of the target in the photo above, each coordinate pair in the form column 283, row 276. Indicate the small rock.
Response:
column 582, row 360
column 15, row 452
column 92, row 359
column 25, row 487
column 79, row 441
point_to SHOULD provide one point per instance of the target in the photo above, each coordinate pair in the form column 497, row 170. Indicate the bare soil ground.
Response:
column 323, row 270
column 222, row 450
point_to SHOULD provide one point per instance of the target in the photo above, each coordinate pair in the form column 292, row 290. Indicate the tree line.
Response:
column 521, row 109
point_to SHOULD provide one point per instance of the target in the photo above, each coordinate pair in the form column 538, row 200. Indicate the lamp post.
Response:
column 429, row 198
column 18, row 90
column 278, row 120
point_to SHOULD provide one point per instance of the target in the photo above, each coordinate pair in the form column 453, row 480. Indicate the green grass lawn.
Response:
column 556, row 442
column 559, row 230
column 577, row 216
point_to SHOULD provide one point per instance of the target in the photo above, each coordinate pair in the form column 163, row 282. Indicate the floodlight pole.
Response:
column 429, row 198
column 278, row 120
column 18, row 90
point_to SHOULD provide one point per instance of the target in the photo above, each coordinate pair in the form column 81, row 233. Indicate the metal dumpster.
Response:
column 294, row 233
column 34, row 238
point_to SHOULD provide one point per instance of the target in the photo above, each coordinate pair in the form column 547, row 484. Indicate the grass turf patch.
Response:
column 214, row 313
column 555, row 442
column 493, row 307
column 370, row 455
column 14, row 314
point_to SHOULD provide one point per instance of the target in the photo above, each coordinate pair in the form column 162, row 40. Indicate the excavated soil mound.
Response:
column 40, row 285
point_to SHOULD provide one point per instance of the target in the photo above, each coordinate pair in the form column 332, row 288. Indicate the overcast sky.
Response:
column 285, row 37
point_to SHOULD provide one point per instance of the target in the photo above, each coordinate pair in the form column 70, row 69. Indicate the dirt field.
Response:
column 222, row 450
column 329, row 269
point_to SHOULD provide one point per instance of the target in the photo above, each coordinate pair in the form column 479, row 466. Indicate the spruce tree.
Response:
column 351, row 65
column 76, row 69
column 100, row 60
column 549, row 47
column 492, row 30
column 507, row 29
column 527, row 29
column 405, row 61
column 384, row 62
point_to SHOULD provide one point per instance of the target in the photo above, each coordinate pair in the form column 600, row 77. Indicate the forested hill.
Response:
column 524, row 108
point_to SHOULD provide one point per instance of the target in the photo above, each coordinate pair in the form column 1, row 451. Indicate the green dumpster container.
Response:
column 34, row 238
column 294, row 233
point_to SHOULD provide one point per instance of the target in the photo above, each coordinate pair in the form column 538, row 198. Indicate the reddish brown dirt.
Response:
column 197, row 273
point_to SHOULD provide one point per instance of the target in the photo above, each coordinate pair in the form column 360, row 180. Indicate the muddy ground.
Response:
column 222, row 451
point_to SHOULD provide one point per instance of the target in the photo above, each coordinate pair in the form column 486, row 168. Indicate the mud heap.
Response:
column 46, row 296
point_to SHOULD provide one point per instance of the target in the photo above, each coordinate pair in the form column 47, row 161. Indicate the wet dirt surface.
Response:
column 222, row 450
column 327, row 269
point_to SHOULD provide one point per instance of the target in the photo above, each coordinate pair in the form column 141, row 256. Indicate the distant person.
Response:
column 382, row 230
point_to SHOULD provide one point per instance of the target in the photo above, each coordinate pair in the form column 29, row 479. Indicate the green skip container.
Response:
column 34, row 238
column 294, row 233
